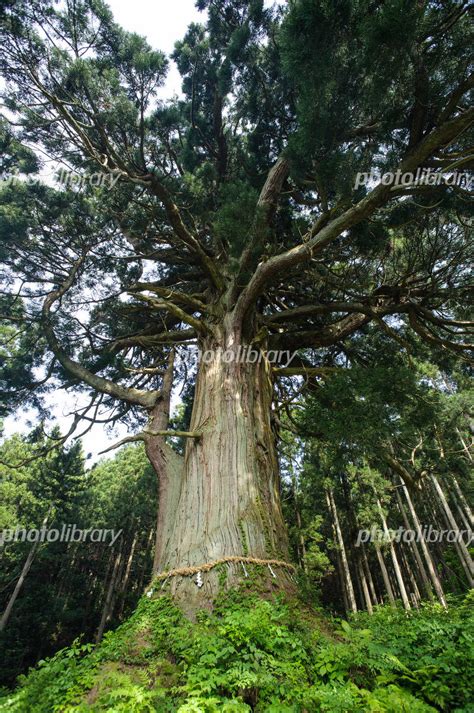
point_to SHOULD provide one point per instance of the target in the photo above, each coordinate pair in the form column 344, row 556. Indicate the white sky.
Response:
column 162, row 22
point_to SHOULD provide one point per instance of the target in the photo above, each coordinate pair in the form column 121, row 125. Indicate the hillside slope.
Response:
column 255, row 654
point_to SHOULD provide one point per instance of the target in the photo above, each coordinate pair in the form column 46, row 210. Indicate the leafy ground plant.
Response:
column 273, row 656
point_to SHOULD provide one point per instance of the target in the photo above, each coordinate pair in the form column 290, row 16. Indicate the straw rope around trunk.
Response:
column 206, row 567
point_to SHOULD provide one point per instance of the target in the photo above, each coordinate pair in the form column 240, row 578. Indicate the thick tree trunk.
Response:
column 225, row 499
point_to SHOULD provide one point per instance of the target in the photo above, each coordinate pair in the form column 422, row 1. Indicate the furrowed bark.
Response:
column 167, row 464
column 227, row 500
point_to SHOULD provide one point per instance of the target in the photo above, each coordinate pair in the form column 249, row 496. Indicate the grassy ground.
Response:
column 254, row 654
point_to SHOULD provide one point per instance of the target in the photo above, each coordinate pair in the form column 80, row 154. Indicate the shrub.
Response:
column 250, row 654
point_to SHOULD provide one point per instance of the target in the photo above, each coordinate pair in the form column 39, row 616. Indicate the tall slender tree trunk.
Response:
column 424, row 547
column 109, row 598
column 414, row 591
column 21, row 579
column 464, row 555
column 301, row 546
column 342, row 550
column 465, row 446
column 364, row 585
column 432, row 515
column 19, row 585
column 463, row 501
column 144, row 573
column 342, row 580
column 126, row 576
column 385, row 575
column 224, row 499
column 414, row 547
column 461, row 513
column 368, row 574
column 396, row 565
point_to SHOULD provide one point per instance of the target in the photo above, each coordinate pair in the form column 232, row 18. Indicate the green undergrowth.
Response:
column 252, row 654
